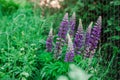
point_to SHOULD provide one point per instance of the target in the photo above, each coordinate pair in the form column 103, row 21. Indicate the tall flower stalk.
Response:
column 87, row 40
column 72, row 24
column 61, row 36
column 88, row 34
column 70, row 51
column 58, row 48
column 84, row 42
column 93, row 38
column 63, row 27
column 79, row 38
column 49, row 44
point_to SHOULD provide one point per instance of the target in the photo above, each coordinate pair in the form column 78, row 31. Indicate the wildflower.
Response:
column 63, row 27
column 58, row 48
column 87, row 40
column 92, row 38
column 61, row 36
column 88, row 33
column 79, row 38
column 72, row 24
column 70, row 53
column 95, row 36
column 49, row 41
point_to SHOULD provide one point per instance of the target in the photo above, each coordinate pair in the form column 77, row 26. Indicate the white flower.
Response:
column 62, row 78
column 77, row 73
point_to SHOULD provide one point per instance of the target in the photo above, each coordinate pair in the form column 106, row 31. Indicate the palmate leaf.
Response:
column 117, row 37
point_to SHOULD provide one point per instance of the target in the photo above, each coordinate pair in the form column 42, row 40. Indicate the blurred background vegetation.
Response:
column 25, row 24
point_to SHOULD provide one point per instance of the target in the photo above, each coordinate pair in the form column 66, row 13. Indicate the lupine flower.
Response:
column 61, row 36
column 72, row 24
column 88, row 33
column 58, row 48
column 79, row 38
column 63, row 27
column 87, row 44
column 94, row 38
column 70, row 52
column 49, row 41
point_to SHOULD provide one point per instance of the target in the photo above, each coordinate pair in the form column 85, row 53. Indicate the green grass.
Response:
column 22, row 35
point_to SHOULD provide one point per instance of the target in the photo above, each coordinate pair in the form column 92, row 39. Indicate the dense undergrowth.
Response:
column 23, row 34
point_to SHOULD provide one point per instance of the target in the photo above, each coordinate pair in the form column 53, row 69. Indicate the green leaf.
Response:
column 107, row 30
column 117, row 28
column 115, row 3
column 109, row 22
column 117, row 37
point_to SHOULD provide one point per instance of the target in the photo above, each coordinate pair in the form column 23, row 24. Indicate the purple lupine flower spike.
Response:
column 95, row 36
column 63, row 27
column 70, row 52
column 49, row 41
column 88, row 33
column 72, row 24
column 58, row 48
column 93, row 39
column 79, row 38
column 87, row 40
column 61, row 36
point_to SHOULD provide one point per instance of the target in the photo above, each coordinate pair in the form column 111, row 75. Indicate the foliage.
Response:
column 8, row 3
column 9, row 6
column 52, row 70
column 23, row 34
column 21, row 38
